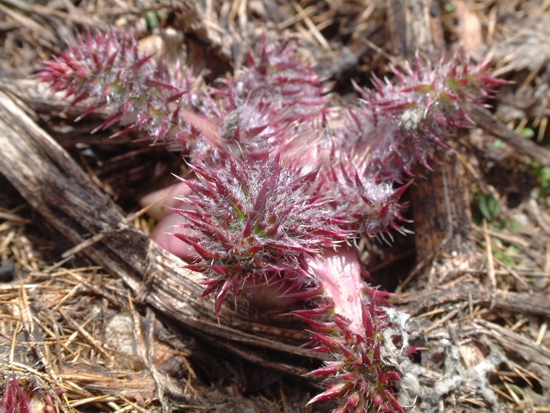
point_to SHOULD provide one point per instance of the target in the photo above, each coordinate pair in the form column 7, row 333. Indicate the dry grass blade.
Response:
column 47, row 11
column 490, row 264
column 517, row 343
column 27, row 22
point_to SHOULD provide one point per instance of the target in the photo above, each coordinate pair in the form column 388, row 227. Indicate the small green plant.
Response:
column 542, row 177
column 488, row 207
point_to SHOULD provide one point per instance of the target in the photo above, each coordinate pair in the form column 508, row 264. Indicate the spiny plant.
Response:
column 23, row 398
column 280, row 191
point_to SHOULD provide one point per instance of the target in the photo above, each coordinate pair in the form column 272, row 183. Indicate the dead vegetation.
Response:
column 95, row 316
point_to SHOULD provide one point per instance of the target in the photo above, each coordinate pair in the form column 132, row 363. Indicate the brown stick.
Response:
column 492, row 126
column 422, row 301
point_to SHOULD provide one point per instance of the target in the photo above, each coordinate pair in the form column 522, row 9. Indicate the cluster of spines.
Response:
column 358, row 377
column 253, row 220
column 104, row 70
column 442, row 91
column 25, row 399
column 419, row 110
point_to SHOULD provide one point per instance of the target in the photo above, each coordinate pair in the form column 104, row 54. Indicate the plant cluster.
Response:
column 283, row 183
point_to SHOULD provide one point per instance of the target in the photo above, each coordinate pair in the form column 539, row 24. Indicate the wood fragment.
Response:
column 469, row 27
column 522, row 303
column 492, row 126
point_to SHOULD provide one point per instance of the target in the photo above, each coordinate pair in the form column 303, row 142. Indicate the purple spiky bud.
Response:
column 142, row 94
column 363, row 205
column 359, row 379
column 419, row 111
column 14, row 399
column 23, row 398
column 254, row 221
column 437, row 94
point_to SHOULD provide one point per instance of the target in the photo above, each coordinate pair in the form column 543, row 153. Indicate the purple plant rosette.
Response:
column 280, row 191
